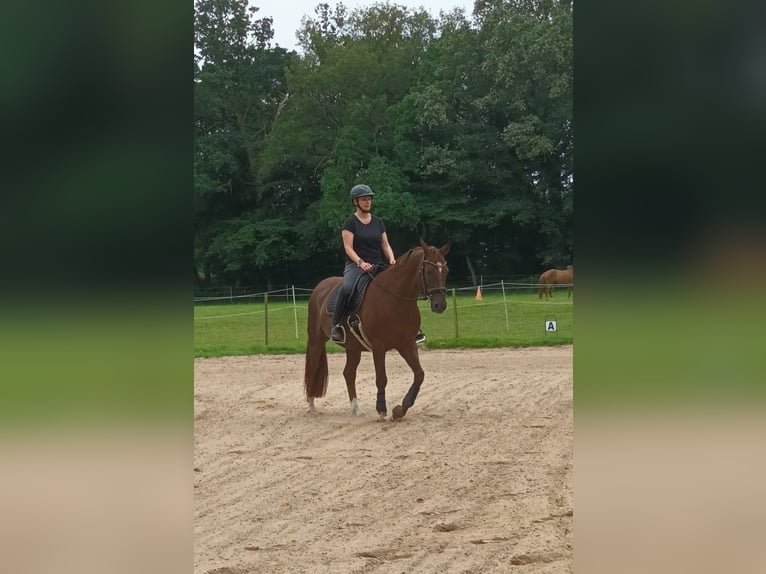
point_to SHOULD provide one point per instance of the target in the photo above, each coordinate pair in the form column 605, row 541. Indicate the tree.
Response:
column 239, row 85
column 344, row 94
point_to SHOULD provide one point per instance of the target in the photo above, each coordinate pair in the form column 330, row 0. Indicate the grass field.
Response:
column 240, row 329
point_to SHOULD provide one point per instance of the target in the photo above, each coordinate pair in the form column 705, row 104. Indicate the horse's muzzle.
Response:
column 438, row 303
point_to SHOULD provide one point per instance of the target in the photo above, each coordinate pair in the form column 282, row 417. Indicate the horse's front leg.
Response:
column 410, row 354
column 379, row 359
column 349, row 373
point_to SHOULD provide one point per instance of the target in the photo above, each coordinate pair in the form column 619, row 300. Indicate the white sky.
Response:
column 287, row 14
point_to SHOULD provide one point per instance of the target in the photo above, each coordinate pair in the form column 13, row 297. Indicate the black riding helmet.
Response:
column 360, row 190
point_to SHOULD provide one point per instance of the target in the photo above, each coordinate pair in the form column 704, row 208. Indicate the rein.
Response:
column 425, row 292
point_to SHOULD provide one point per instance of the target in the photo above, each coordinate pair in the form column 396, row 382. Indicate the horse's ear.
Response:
column 444, row 249
column 423, row 244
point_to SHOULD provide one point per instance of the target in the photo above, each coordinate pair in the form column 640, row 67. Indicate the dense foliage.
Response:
column 461, row 124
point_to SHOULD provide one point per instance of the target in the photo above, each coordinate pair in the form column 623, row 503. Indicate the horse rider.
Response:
column 366, row 243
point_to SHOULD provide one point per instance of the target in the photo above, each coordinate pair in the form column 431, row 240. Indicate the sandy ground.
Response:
column 477, row 478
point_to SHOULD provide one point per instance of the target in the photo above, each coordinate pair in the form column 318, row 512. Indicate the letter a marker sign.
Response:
column 550, row 326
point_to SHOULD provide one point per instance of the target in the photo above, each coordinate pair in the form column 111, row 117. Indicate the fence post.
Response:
column 266, row 318
column 454, row 306
column 295, row 314
column 507, row 323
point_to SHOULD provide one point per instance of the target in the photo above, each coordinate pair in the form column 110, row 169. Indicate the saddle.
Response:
column 357, row 292
column 355, row 299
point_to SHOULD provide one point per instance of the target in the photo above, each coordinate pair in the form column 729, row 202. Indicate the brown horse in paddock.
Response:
column 554, row 277
column 389, row 318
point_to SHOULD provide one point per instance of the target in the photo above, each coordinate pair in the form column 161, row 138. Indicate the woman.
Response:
column 366, row 243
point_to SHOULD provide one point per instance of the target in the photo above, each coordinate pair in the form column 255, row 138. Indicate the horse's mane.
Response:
column 409, row 253
column 402, row 259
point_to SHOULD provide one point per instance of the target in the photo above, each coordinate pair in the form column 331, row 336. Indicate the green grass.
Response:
column 240, row 329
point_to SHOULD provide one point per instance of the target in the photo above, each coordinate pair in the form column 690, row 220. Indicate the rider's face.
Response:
column 364, row 203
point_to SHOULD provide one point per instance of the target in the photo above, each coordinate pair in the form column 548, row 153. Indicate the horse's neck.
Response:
column 405, row 275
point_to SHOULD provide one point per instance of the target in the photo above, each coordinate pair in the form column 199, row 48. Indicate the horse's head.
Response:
column 435, row 275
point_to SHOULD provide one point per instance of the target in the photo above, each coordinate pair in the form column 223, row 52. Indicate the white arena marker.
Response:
column 550, row 326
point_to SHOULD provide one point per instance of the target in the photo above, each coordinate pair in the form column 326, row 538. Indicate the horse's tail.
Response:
column 316, row 375
column 541, row 281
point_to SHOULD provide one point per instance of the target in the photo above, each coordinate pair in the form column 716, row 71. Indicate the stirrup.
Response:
column 420, row 337
column 338, row 334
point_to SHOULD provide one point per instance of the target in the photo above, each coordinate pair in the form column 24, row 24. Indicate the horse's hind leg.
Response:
column 379, row 358
column 410, row 355
column 353, row 357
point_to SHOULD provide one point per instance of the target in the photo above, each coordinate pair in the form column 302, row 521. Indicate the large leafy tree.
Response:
column 492, row 118
column 239, row 88
column 528, row 47
column 345, row 94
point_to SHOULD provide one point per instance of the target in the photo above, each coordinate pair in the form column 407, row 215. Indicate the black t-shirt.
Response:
column 367, row 238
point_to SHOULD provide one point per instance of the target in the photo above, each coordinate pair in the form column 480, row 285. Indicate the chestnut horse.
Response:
column 555, row 277
column 389, row 319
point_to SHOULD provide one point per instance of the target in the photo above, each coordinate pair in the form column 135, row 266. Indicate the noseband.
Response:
column 425, row 291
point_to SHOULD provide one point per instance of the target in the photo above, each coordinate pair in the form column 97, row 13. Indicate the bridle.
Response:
column 424, row 290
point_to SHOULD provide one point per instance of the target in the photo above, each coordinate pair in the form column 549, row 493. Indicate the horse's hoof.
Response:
column 398, row 412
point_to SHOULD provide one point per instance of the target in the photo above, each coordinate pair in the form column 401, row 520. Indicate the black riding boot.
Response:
column 338, row 334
